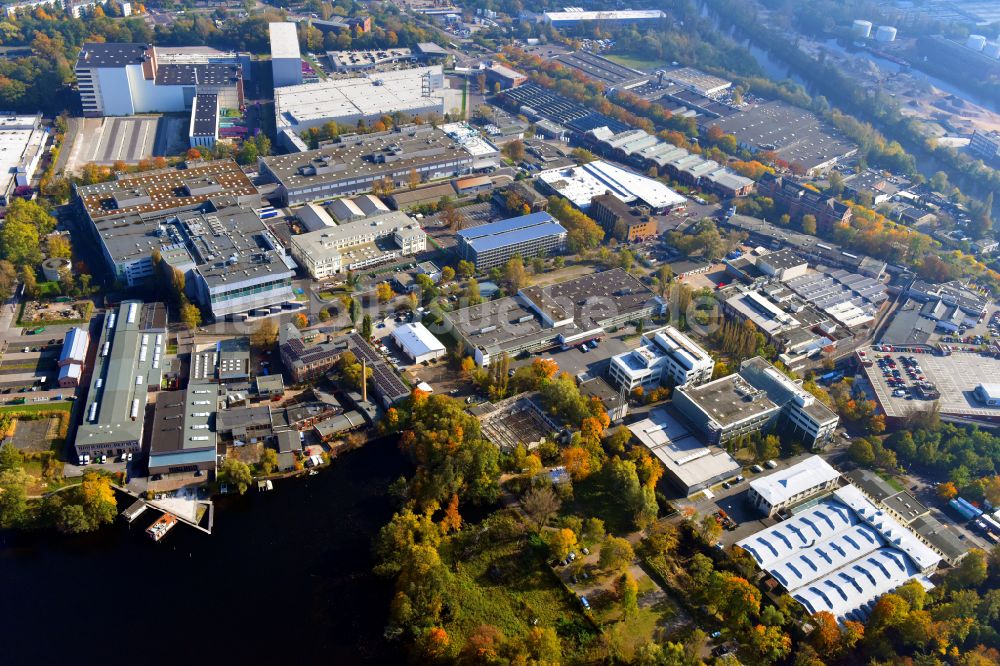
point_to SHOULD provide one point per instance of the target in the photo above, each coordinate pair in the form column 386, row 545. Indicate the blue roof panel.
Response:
column 510, row 231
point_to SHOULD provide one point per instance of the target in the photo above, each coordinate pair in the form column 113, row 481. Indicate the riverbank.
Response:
column 294, row 564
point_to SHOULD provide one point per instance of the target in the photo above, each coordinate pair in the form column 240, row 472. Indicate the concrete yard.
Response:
column 955, row 376
column 105, row 141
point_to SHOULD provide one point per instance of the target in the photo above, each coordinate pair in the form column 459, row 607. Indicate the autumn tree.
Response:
column 235, row 473
column 628, row 594
column 383, row 292
column 190, row 314
column 616, row 554
column 561, row 542
column 514, row 150
column 265, row 335
column 452, row 520
column 268, row 460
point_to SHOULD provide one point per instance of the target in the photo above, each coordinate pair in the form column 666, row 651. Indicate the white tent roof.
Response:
column 417, row 340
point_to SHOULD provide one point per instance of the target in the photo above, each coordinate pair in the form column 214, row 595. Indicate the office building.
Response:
column 538, row 318
column 418, row 343
column 690, row 464
column 665, row 357
column 361, row 61
column 356, row 163
column 342, row 24
column 286, row 60
column 580, row 184
column 790, row 486
column 803, row 415
column 23, row 144
column 306, row 361
column 621, row 221
column 357, row 245
column 725, row 408
column 122, row 79
column 799, row 201
column 127, row 368
column 527, row 236
column 985, row 145
column 484, row 153
column 574, row 17
column 841, row 555
column 367, row 97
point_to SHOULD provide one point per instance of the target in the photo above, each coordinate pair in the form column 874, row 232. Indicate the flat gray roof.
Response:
column 729, row 399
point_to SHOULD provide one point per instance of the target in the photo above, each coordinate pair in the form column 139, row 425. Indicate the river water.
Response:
column 285, row 578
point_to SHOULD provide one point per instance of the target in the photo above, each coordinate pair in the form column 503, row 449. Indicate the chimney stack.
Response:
column 364, row 380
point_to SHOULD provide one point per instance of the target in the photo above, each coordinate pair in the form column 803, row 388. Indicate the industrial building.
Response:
column 203, row 130
column 493, row 244
column 580, row 184
column 698, row 81
column 357, row 245
column 123, row 79
column 362, row 61
column 565, row 313
column 303, row 361
column 751, row 305
column 572, row 17
column 127, row 369
column 725, row 408
column 484, row 153
column 849, row 299
column 233, row 359
column 353, row 165
column 183, row 437
column 803, row 416
column 23, row 143
column 619, row 220
column 795, row 135
column 786, row 487
column 232, row 262
column 418, row 343
column 72, row 357
column 502, row 77
column 784, row 264
column 599, row 68
column 286, row 60
column 665, row 356
column 368, row 97
column 690, row 464
column 841, row 554
column 341, row 24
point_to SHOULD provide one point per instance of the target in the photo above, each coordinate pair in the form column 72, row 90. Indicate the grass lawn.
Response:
column 503, row 580
column 327, row 295
column 594, row 497
column 41, row 407
column 49, row 289
column 637, row 63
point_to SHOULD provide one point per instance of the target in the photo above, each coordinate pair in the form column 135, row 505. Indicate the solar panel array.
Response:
column 387, row 382
column 827, row 290
column 561, row 110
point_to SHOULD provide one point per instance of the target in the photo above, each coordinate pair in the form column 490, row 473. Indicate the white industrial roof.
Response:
column 75, row 345
column 72, row 370
column 783, row 484
column 470, row 139
column 284, row 40
column 581, row 184
column 683, row 454
column 841, row 554
column 991, row 391
column 417, row 340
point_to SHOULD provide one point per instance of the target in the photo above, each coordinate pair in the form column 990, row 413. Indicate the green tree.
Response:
column 616, row 554
column 514, row 275
column 13, row 496
column 466, row 269
column 861, row 452
column 366, row 327
column 268, row 460
column 10, row 457
column 628, row 594
column 19, row 243
column 809, row 224
column 970, row 572
column 236, row 474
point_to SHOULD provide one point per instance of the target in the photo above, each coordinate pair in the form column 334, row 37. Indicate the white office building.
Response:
column 786, row 487
column 666, row 356
column 286, row 60
column 358, row 245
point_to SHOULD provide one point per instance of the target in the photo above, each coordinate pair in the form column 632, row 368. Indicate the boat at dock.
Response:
column 264, row 486
column 163, row 524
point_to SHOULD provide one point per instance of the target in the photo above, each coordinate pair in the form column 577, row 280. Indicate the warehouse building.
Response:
column 353, row 165
column 565, row 313
column 418, row 343
column 503, row 77
column 690, row 464
column 841, row 554
column 368, row 97
column 580, row 184
column 286, row 60
column 23, row 143
column 128, row 368
column 361, row 61
column 184, row 437
column 665, row 356
column 203, row 130
column 698, row 81
column 574, row 17
column 783, row 264
column 357, row 245
column 493, row 244
column 786, row 487
column 123, row 79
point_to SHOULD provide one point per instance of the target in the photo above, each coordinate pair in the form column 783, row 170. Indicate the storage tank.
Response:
column 992, row 50
column 885, row 33
column 976, row 42
column 53, row 267
column 862, row 29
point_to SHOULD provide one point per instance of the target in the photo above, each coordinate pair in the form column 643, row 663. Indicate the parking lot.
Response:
column 955, row 376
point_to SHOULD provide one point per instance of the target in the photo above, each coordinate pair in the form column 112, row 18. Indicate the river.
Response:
column 285, row 578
